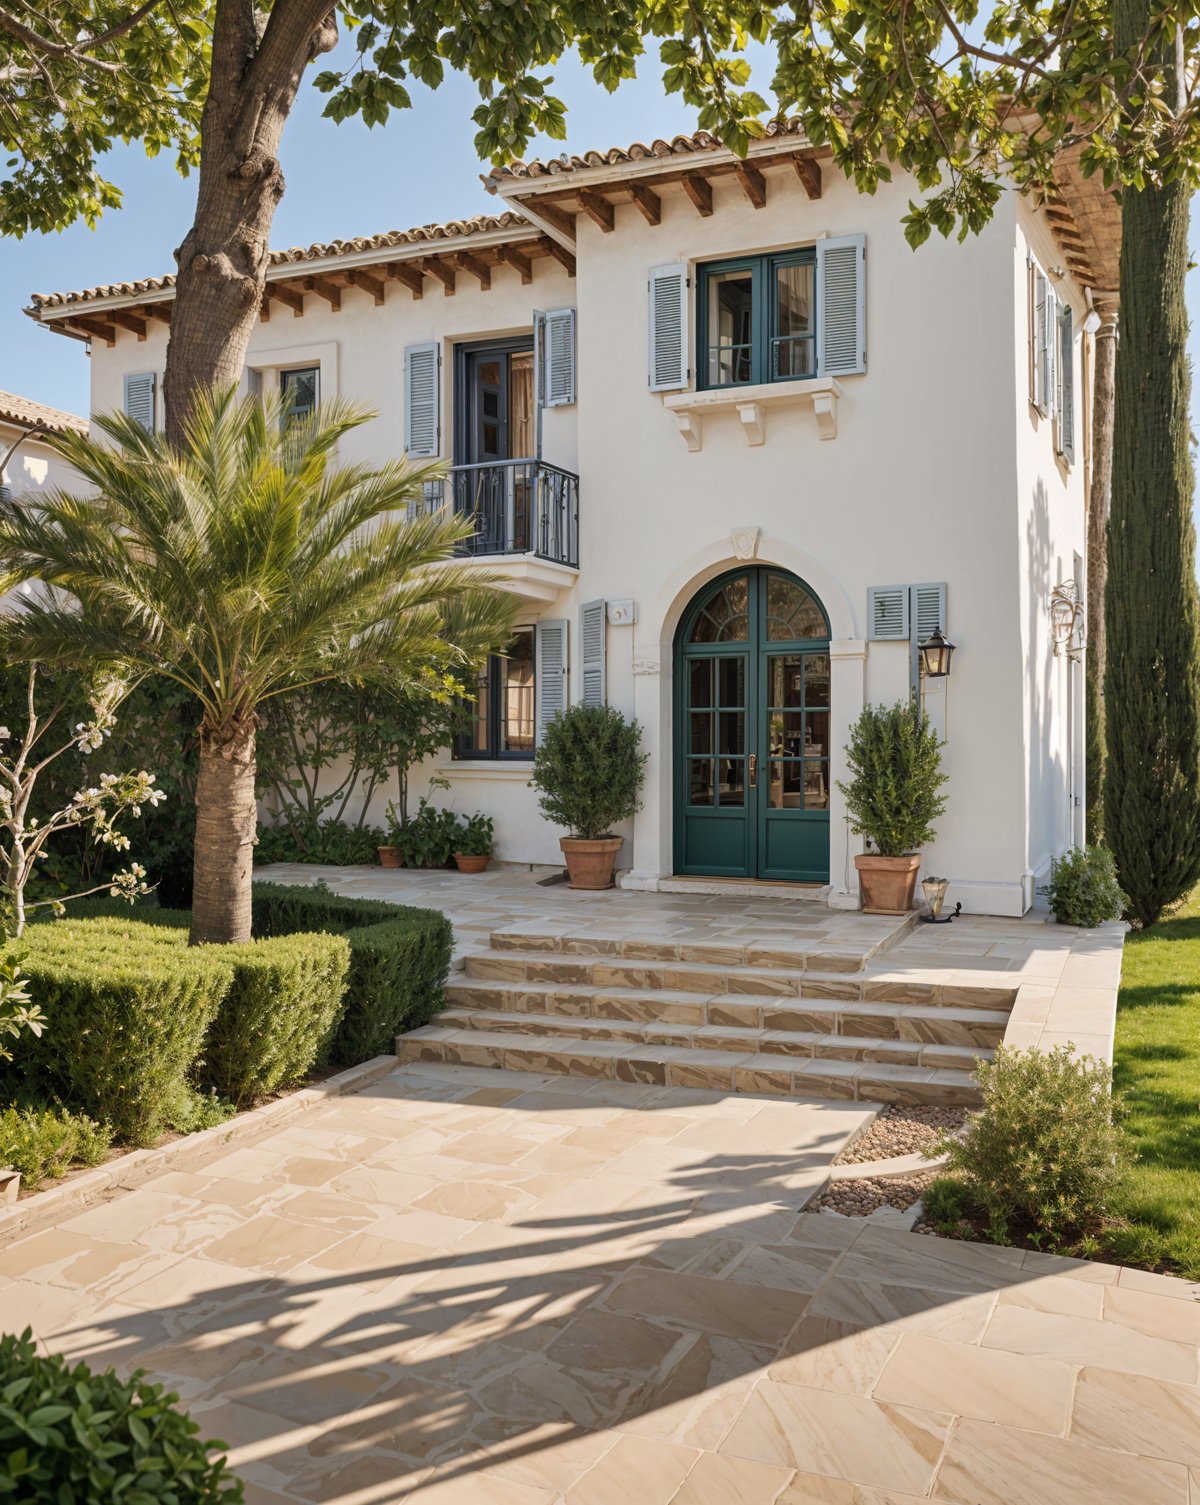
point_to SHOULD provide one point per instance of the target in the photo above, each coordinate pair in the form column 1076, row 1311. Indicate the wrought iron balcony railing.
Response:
column 519, row 507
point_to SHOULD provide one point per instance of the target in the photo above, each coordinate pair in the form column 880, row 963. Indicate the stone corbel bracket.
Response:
column 751, row 404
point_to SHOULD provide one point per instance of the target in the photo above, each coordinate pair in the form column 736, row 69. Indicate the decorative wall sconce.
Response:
column 1067, row 620
column 936, row 653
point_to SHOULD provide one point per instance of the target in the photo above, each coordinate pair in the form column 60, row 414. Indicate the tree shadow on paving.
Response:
column 640, row 1316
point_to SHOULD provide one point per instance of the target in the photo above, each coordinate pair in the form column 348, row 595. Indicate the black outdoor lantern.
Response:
column 935, row 655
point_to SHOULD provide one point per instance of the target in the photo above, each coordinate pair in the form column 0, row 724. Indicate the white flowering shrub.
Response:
column 99, row 808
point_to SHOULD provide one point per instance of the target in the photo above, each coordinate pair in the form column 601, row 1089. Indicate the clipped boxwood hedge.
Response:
column 399, row 960
column 285, row 997
column 127, row 1008
column 72, row 1437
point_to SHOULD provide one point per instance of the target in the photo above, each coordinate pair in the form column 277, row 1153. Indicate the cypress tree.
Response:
column 1152, row 673
column 1099, row 499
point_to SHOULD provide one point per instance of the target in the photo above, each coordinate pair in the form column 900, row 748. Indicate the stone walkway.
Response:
column 463, row 1287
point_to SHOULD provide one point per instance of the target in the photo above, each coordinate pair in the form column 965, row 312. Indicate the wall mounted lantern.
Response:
column 935, row 655
column 1066, row 619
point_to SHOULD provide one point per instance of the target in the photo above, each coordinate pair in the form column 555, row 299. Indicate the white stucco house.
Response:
column 738, row 449
column 27, row 464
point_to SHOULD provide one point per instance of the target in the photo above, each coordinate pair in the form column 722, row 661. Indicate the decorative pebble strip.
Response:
column 859, row 1199
column 902, row 1130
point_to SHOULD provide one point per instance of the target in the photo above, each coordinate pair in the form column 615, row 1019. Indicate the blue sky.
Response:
column 342, row 181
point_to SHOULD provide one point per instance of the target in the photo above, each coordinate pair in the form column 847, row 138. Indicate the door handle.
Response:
column 754, row 770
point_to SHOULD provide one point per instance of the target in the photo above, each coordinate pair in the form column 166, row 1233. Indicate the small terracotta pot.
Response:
column 472, row 862
column 887, row 884
column 389, row 857
column 590, row 863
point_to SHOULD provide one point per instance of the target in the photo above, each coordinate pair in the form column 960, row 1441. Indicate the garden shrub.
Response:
column 399, row 960
column 127, row 1005
column 1083, row 887
column 589, row 769
column 333, row 842
column 69, row 1436
column 894, row 795
column 284, row 998
column 47, row 1143
column 1043, row 1158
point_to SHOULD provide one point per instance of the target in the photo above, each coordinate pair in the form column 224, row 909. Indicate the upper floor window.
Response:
column 300, row 390
column 757, row 319
column 502, row 715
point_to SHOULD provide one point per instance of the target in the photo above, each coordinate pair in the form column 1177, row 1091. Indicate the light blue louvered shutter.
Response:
column 1064, row 427
column 668, row 327
column 928, row 610
column 422, row 402
column 592, row 620
column 887, row 613
column 139, row 399
column 842, row 305
column 550, row 672
column 557, row 358
column 1043, row 343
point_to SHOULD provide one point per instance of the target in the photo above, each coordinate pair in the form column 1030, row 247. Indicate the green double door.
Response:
column 752, row 729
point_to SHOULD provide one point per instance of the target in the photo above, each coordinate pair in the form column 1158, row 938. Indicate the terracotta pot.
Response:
column 887, row 884
column 590, row 863
column 389, row 857
column 472, row 862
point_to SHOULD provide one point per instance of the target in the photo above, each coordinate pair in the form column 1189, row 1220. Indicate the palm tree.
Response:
column 245, row 564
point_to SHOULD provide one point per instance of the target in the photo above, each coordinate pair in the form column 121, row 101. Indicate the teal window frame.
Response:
column 764, row 315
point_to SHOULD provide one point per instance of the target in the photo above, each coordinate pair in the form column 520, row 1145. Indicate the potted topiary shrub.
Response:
column 391, row 854
column 475, row 843
column 589, row 771
column 894, row 797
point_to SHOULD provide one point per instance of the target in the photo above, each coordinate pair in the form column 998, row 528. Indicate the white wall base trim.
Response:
column 981, row 896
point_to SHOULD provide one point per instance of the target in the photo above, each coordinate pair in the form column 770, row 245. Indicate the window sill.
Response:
column 515, row 769
column 750, row 404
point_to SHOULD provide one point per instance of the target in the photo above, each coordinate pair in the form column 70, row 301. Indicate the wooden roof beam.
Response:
column 808, row 170
column 468, row 263
column 754, row 185
column 699, row 190
column 330, row 291
column 433, row 266
column 128, row 320
column 598, row 209
column 647, row 201
column 564, row 223
column 364, row 281
column 510, row 256
column 159, row 311
column 409, row 276
column 564, row 257
column 286, row 294
column 99, row 329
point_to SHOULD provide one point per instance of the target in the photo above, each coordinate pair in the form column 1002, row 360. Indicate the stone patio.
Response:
column 464, row 1287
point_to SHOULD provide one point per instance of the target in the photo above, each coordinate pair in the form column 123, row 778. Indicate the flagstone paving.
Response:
column 470, row 1287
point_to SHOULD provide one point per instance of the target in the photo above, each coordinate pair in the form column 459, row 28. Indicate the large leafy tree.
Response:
column 243, row 564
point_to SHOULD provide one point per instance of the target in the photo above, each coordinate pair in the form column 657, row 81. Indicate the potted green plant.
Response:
column 894, row 797
column 429, row 839
column 391, row 853
column 589, row 771
column 475, row 843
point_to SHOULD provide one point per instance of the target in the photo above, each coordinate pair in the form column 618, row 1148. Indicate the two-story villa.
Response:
column 739, row 450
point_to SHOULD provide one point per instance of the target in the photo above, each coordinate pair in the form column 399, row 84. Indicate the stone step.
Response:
column 925, row 1023
column 678, row 1066
column 899, row 1052
column 794, row 955
column 710, row 979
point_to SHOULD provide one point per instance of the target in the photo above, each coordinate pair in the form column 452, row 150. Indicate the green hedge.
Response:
column 127, row 1006
column 285, row 997
column 399, row 960
column 41, row 1143
column 69, row 1436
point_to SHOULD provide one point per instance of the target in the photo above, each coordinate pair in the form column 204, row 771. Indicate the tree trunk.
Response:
column 223, row 259
column 1099, row 501
column 226, row 829
column 1152, row 675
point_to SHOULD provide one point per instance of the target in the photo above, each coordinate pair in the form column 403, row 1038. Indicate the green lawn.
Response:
column 1157, row 1071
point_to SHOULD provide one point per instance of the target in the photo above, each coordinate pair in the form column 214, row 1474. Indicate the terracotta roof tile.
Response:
column 23, row 412
column 639, row 151
column 389, row 240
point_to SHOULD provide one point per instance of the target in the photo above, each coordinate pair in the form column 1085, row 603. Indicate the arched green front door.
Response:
column 752, row 729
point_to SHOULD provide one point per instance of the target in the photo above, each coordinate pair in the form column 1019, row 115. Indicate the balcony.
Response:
column 524, row 507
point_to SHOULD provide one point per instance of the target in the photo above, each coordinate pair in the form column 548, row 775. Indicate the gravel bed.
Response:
column 902, row 1130
column 857, row 1199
